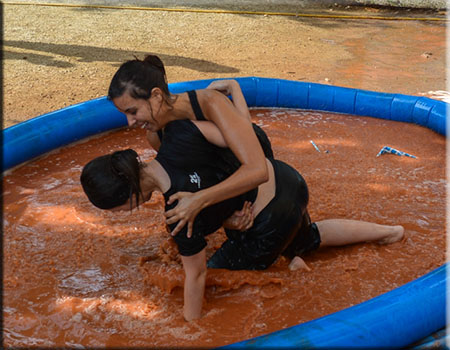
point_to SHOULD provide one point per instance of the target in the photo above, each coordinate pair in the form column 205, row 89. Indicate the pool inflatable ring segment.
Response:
column 394, row 319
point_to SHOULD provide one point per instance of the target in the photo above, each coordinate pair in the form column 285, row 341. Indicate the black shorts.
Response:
column 307, row 239
column 276, row 230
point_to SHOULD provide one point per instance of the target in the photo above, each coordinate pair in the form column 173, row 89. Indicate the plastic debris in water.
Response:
column 315, row 146
column 387, row 149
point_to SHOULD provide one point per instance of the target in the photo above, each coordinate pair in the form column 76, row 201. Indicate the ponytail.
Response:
column 138, row 78
column 156, row 62
column 125, row 164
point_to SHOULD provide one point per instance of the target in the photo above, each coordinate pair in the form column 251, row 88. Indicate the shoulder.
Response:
column 210, row 98
column 208, row 93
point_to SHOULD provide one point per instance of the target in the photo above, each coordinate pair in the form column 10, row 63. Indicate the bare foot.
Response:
column 396, row 235
column 298, row 263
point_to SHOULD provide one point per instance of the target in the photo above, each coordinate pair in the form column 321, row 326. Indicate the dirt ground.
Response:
column 58, row 56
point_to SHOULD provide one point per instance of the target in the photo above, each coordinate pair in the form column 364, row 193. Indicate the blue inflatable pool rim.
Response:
column 394, row 319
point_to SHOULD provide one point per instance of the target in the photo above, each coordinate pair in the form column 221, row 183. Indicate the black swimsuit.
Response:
column 195, row 105
column 262, row 137
column 191, row 163
column 282, row 227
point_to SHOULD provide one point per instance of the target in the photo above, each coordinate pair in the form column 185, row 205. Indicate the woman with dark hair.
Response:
column 139, row 89
column 192, row 158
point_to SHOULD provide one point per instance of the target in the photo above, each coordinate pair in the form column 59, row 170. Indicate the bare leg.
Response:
column 337, row 232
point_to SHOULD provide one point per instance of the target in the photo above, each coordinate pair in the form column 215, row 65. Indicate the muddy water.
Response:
column 78, row 276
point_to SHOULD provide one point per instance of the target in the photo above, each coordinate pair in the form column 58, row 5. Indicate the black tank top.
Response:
column 228, row 155
column 193, row 164
column 195, row 105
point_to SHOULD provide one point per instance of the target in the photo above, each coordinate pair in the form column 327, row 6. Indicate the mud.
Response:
column 75, row 275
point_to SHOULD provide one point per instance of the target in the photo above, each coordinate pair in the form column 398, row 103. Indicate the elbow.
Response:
column 261, row 174
column 265, row 175
column 264, row 172
column 234, row 83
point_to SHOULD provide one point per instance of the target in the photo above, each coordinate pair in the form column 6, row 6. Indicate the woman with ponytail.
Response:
column 139, row 89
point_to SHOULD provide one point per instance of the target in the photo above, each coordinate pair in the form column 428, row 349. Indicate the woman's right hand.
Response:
column 188, row 206
column 241, row 220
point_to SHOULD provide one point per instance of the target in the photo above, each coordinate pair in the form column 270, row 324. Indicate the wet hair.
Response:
column 110, row 180
column 138, row 78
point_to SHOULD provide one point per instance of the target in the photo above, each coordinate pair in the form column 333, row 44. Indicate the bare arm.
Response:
column 240, row 137
column 232, row 87
column 194, row 284
column 153, row 140
column 226, row 87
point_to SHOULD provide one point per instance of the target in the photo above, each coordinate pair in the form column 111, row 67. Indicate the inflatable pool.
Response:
column 398, row 318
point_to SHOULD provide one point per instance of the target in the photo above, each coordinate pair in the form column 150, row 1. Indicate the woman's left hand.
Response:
column 188, row 206
column 224, row 86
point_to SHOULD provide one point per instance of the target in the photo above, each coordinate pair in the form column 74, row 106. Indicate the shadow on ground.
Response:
column 46, row 54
